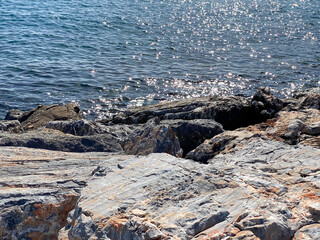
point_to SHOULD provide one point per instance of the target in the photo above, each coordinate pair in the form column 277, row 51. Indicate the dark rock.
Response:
column 13, row 126
column 266, row 104
column 153, row 139
column 231, row 111
column 192, row 133
column 14, row 114
column 62, row 142
column 41, row 115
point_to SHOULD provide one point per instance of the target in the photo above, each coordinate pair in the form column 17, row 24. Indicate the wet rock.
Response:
column 153, row 139
column 309, row 98
column 41, row 115
column 54, row 140
column 192, row 133
column 13, row 126
column 14, row 114
column 86, row 128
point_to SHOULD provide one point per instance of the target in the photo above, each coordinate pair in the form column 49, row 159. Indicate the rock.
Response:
column 153, row 139
column 309, row 232
column 192, row 133
column 41, row 115
column 78, row 128
column 266, row 104
column 309, row 98
column 54, row 140
column 38, row 188
column 13, row 126
column 223, row 109
column 263, row 189
column 221, row 143
column 14, row 114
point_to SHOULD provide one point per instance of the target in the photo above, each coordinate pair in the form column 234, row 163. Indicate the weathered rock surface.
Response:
column 292, row 127
column 263, row 190
column 191, row 133
column 12, row 126
column 14, row 114
column 38, row 188
column 54, row 140
column 220, row 108
column 41, row 115
column 260, row 182
column 153, row 138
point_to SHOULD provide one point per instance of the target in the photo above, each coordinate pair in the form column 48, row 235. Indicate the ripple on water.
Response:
column 113, row 54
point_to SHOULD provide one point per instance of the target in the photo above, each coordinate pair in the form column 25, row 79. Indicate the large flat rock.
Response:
column 262, row 190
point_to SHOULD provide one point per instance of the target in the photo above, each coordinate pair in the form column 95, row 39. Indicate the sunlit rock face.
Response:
column 259, row 181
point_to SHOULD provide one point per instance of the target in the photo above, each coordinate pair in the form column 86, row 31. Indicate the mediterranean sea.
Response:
column 112, row 54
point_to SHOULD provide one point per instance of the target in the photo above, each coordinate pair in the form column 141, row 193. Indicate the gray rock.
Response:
column 309, row 232
column 14, row 114
column 62, row 142
column 13, row 126
column 257, row 191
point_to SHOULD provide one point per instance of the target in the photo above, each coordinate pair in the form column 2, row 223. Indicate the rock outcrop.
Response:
column 41, row 115
column 263, row 190
column 260, row 180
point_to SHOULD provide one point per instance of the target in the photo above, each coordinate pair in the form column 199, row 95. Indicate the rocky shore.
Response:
column 220, row 167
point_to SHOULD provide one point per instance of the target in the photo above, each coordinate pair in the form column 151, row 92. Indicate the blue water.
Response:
column 107, row 55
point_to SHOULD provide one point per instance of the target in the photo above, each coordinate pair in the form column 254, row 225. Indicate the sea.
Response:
column 108, row 55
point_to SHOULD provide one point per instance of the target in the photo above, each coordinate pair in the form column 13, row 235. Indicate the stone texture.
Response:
column 191, row 133
column 309, row 232
column 14, row 114
column 261, row 190
column 41, row 115
column 153, row 138
column 12, row 126
column 38, row 188
column 55, row 140
column 223, row 109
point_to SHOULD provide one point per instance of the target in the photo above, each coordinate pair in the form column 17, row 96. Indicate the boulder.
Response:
column 41, row 115
column 13, row 126
column 153, row 138
column 14, row 114
column 266, row 104
column 54, row 140
column 192, row 133
column 309, row 232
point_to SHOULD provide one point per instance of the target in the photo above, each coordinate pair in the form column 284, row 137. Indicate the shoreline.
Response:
column 222, row 167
